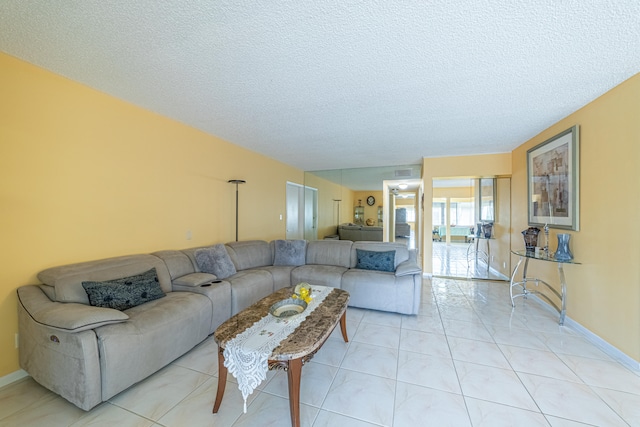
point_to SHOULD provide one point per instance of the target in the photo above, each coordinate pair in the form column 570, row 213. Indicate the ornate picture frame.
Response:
column 553, row 177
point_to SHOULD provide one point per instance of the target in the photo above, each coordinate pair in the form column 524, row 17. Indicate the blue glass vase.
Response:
column 563, row 253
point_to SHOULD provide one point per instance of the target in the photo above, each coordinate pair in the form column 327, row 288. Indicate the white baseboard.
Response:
column 603, row 345
column 594, row 339
column 13, row 377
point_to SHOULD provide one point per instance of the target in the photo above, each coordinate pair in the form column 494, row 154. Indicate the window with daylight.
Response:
column 462, row 213
column 437, row 213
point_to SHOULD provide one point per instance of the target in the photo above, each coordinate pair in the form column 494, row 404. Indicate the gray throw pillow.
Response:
column 215, row 260
column 126, row 292
column 373, row 260
column 290, row 252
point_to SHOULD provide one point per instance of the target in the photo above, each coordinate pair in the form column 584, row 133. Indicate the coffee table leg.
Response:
column 343, row 326
column 295, row 371
column 222, row 381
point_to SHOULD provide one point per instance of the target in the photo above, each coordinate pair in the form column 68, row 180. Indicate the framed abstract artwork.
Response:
column 553, row 181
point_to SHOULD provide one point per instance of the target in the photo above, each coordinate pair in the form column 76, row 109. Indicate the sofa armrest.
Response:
column 193, row 280
column 65, row 316
column 408, row 268
column 63, row 360
column 413, row 256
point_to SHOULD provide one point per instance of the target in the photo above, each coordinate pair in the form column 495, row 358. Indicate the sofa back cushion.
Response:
column 401, row 255
column 178, row 263
column 66, row 280
column 250, row 254
column 289, row 252
column 329, row 252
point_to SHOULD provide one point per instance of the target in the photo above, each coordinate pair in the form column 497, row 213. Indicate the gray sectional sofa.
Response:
column 355, row 233
column 88, row 353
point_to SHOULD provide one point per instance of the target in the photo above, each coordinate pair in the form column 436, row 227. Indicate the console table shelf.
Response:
column 562, row 295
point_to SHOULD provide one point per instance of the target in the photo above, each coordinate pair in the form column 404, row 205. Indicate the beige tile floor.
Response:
column 467, row 359
column 453, row 260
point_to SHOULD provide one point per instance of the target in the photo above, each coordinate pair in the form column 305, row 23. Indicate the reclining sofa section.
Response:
column 88, row 353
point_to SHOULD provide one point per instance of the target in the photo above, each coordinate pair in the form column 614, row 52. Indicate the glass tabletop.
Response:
column 542, row 257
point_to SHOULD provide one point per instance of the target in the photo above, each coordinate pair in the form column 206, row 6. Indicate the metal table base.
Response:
column 562, row 295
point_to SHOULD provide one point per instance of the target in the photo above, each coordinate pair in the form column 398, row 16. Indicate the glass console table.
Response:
column 562, row 295
column 478, row 252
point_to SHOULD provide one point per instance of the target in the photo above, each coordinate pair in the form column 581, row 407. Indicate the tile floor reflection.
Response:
column 467, row 359
column 457, row 260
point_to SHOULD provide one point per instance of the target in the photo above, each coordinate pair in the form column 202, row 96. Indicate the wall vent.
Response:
column 403, row 172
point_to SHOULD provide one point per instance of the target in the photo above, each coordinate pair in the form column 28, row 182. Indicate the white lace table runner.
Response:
column 246, row 356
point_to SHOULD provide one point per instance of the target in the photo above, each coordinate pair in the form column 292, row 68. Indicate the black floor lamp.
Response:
column 236, row 182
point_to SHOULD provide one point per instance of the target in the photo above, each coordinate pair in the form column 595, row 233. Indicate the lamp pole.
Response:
column 236, row 182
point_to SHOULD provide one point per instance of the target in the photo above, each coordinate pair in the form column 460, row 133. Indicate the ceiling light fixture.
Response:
column 403, row 186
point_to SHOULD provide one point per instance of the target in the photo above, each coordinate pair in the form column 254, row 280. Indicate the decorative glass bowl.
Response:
column 287, row 308
column 303, row 291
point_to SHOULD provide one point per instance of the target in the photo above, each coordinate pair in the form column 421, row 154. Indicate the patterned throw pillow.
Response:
column 373, row 260
column 215, row 260
column 126, row 292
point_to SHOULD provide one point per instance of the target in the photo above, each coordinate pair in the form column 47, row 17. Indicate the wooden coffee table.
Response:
column 295, row 350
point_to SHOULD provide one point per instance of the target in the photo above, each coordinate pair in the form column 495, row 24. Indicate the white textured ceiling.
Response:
column 329, row 84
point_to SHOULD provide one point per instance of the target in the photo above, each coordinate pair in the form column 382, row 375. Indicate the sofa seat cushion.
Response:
column 156, row 333
column 380, row 291
column 322, row 275
column 249, row 286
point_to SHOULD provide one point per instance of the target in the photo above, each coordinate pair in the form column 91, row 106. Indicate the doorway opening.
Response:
column 464, row 246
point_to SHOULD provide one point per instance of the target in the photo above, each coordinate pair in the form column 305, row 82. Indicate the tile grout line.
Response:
column 455, row 369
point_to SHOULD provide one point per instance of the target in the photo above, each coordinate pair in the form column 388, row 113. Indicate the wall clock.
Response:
column 371, row 200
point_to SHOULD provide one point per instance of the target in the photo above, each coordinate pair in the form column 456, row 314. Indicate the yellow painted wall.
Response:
column 458, row 193
column 454, row 167
column 405, row 202
column 603, row 294
column 328, row 192
column 84, row 176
